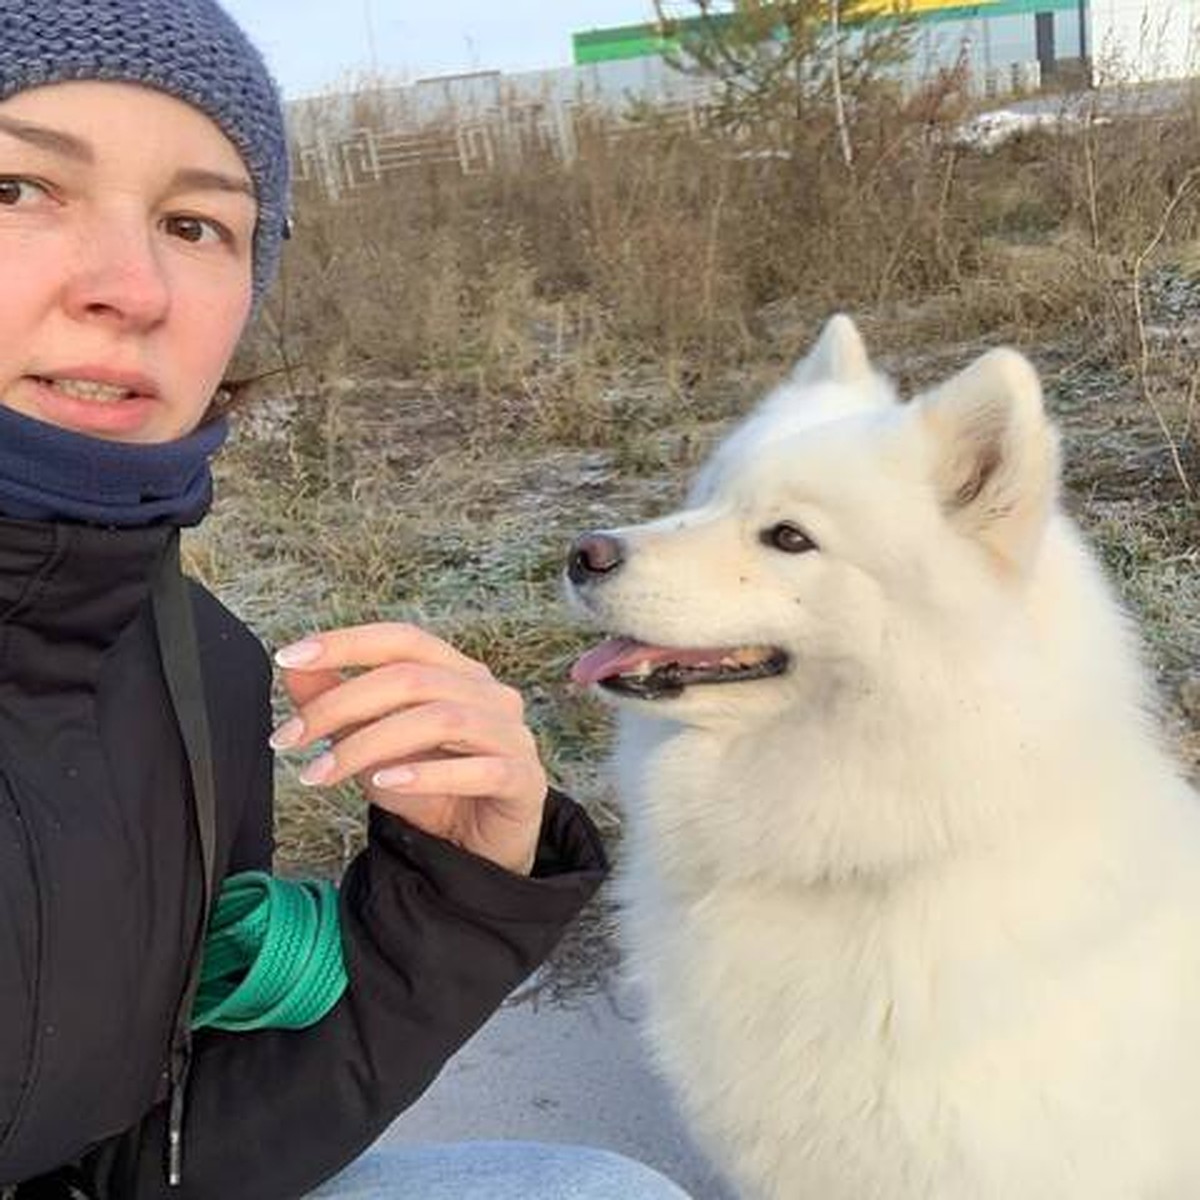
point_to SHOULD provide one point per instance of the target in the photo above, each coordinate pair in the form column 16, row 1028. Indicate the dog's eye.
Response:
column 789, row 538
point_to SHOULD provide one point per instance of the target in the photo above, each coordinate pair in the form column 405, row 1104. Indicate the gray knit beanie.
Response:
column 191, row 49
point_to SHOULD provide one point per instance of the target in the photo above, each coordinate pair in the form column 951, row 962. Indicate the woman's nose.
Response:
column 118, row 275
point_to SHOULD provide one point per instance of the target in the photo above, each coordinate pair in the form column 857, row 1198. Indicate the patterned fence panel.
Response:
column 366, row 157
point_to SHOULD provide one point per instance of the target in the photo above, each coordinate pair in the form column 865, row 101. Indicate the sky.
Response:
column 313, row 45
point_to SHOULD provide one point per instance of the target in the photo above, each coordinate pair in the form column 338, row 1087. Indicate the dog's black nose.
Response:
column 594, row 554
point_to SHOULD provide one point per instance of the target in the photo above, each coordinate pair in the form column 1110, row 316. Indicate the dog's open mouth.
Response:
column 635, row 668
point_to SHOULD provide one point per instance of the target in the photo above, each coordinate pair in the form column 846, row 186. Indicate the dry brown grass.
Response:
column 476, row 368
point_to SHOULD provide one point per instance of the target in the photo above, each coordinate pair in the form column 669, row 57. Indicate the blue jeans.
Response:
column 497, row 1171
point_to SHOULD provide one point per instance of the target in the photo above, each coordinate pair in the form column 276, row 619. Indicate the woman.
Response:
column 143, row 198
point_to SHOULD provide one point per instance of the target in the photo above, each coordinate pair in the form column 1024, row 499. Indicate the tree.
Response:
column 781, row 62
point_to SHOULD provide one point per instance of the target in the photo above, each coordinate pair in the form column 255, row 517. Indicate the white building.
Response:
column 1144, row 40
column 1123, row 40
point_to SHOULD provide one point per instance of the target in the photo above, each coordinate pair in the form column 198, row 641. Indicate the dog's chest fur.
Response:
column 978, row 1032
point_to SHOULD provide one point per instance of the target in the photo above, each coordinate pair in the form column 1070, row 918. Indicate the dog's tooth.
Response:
column 749, row 656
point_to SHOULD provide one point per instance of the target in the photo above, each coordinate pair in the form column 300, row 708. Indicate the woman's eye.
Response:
column 789, row 538
column 14, row 191
column 197, row 230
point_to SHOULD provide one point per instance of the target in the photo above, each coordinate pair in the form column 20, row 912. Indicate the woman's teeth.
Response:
column 86, row 389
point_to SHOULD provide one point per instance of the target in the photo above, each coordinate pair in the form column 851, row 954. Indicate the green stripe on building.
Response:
column 636, row 41
column 644, row 41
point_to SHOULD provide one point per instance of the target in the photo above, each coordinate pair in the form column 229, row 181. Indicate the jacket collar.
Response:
column 68, row 583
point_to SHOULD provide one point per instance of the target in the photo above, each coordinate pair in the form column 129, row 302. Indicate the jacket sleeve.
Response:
column 434, row 939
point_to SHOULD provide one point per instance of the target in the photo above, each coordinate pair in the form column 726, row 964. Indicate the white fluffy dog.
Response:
column 912, row 888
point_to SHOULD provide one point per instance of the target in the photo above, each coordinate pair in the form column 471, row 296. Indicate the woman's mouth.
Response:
column 89, row 389
column 113, row 407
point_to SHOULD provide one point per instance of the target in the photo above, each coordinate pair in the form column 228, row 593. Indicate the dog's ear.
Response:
column 839, row 356
column 995, row 457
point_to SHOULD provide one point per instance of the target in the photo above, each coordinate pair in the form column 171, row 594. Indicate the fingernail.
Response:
column 318, row 770
column 299, row 654
column 288, row 734
column 393, row 777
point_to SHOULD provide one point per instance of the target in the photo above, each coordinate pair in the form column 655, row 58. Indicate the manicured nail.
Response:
column 318, row 770
column 288, row 734
column 299, row 654
column 391, row 777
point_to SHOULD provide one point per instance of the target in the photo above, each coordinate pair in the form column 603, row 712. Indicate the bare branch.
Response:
column 1140, row 320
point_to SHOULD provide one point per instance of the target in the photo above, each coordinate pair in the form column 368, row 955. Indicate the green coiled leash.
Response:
column 272, row 957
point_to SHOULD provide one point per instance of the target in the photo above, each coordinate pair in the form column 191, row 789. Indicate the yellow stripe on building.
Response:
column 920, row 6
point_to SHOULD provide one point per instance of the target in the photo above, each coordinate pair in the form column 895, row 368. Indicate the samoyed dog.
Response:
column 912, row 888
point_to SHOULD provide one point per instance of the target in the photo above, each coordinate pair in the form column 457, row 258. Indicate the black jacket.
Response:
column 101, row 895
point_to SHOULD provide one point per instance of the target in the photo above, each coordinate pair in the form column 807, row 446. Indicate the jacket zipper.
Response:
column 180, row 1059
column 176, row 637
column 35, row 1033
column 179, row 1074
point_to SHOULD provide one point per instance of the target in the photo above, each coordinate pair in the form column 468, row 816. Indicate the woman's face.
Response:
column 126, row 230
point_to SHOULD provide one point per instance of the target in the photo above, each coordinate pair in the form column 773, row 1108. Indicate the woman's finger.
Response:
column 372, row 645
column 399, row 685
column 479, row 776
column 423, row 731
column 303, row 687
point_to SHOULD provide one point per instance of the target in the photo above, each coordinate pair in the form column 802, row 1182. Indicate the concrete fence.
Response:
column 367, row 156
column 506, row 125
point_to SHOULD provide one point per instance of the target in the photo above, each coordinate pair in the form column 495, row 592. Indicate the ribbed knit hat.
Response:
column 191, row 49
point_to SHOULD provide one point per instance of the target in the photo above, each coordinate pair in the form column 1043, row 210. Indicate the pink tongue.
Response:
column 620, row 656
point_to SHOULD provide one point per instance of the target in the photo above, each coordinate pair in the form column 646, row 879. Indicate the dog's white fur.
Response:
column 921, row 918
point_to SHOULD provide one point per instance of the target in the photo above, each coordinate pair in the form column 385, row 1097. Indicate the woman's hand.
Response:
column 429, row 733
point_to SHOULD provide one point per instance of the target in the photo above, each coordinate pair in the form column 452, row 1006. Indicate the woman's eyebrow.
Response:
column 44, row 138
column 187, row 179
column 200, row 179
